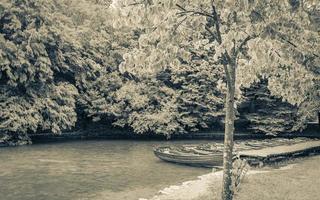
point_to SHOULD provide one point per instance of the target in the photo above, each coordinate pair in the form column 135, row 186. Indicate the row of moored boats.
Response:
column 211, row 154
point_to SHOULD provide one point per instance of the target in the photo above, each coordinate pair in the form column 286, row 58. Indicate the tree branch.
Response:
column 192, row 12
column 182, row 8
column 282, row 37
column 177, row 25
column 211, row 33
column 136, row 3
column 227, row 75
column 213, row 15
column 227, row 62
column 216, row 22
column 243, row 43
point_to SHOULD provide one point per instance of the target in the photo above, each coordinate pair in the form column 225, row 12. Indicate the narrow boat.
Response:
column 190, row 156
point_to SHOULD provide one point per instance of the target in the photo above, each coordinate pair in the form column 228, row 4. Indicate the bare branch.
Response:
column 192, row 12
column 234, row 47
column 137, row 3
column 182, row 8
column 282, row 37
column 211, row 33
column 217, row 23
column 213, row 15
column 177, row 25
column 278, row 53
column 243, row 43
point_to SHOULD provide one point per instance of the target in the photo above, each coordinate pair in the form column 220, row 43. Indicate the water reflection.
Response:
column 88, row 170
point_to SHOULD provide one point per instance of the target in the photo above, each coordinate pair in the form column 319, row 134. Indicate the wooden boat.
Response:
column 211, row 155
column 190, row 156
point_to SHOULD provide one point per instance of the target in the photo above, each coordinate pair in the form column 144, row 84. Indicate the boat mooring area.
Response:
column 270, row 155
column 255, row 152
column 280, row 169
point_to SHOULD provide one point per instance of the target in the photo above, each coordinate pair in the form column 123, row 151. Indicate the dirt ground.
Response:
column 297, row 180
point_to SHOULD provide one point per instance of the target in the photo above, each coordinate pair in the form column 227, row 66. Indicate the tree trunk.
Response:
column 227, row 193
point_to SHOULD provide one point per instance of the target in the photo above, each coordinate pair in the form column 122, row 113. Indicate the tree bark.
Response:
column 227, row 193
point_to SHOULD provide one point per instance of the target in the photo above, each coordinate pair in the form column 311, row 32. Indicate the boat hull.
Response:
column 210, row 160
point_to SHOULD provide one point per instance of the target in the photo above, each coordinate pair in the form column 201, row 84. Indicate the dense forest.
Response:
column 143, row 66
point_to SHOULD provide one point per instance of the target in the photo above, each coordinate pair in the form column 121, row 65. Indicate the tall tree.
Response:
column 248, row 39
column 257, row 36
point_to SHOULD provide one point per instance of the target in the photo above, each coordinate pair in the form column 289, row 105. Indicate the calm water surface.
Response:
column 106, row 170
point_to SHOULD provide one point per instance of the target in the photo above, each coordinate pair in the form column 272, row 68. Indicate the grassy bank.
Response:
column 297, row 181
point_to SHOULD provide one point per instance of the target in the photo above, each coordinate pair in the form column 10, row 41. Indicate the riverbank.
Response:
column 120, row 134
column 97, row 132
column 109, row 132
column 296, row 181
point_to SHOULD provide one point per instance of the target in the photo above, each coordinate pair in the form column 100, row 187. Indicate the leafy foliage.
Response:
column 268, row 114
column 52, row 109
column 44, row 64
column 172, row 63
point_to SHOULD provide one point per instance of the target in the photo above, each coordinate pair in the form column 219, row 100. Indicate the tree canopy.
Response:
column 154, row 66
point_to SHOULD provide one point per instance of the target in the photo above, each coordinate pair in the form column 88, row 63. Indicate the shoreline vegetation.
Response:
column 312, row 131
column 295, row 180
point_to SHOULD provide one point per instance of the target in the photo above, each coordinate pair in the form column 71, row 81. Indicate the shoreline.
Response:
column 107, row 133
column 201, row 188
column 208, row 186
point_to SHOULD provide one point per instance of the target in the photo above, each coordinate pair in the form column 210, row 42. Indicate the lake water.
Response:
column 88, row 170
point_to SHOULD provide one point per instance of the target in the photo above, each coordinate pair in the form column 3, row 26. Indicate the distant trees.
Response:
column 264, row 113
column 31, row 98
column 44, row 64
